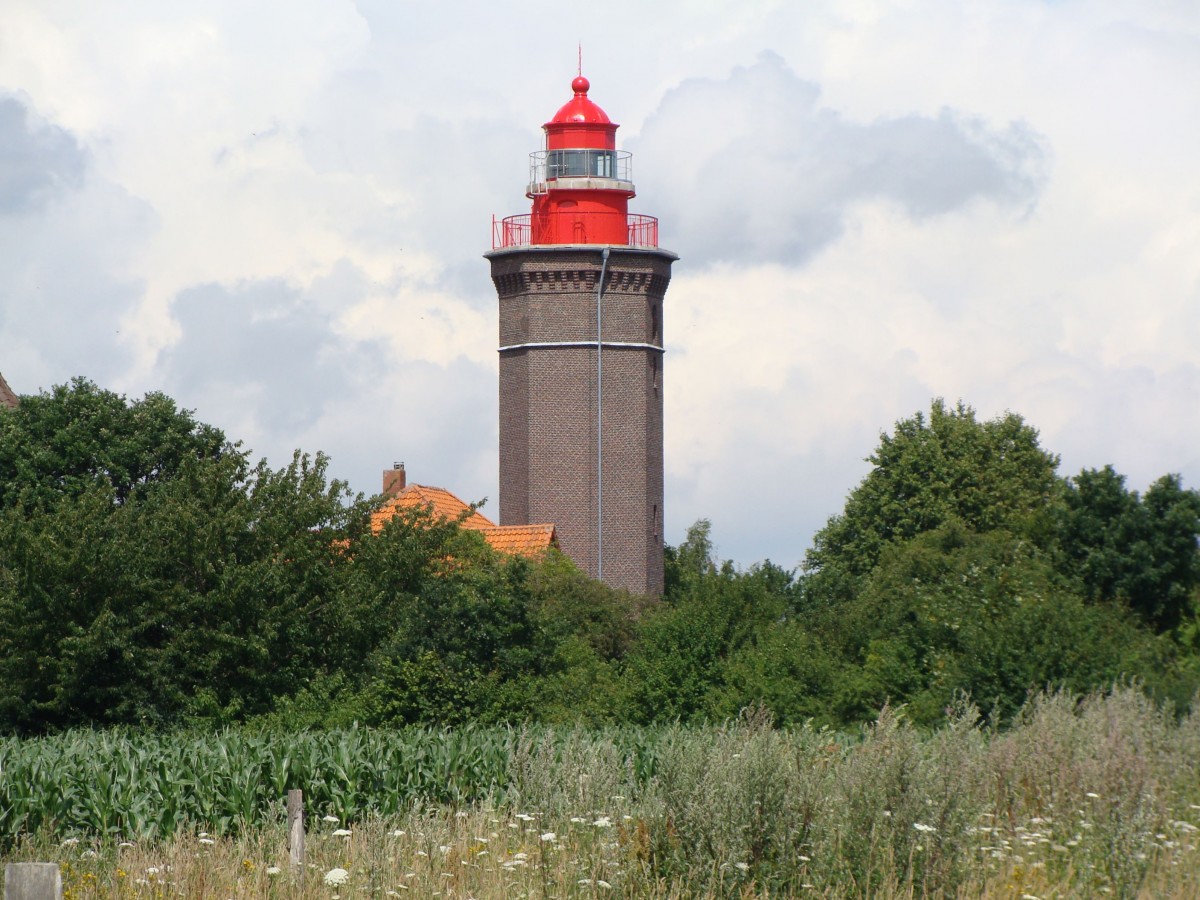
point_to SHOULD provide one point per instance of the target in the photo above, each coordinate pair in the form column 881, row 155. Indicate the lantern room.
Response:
column 580, row 185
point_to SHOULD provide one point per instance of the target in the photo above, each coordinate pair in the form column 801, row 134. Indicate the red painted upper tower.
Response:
column 581, row 282
column 580, row 184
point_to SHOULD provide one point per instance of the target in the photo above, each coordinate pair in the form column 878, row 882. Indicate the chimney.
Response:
column 393, row 480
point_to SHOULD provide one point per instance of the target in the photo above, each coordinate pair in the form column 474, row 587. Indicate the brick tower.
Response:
column 581, row 283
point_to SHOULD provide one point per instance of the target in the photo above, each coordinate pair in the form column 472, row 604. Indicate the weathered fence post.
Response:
column 295, row 805
column 32, row 881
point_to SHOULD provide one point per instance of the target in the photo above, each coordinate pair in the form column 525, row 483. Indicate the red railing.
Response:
column 518, row 231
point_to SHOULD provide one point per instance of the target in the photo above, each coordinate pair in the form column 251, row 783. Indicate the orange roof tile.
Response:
column 440, row 502
column 526, row 540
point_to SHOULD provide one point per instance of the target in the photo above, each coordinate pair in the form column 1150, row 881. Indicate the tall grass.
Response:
column 1080, row 797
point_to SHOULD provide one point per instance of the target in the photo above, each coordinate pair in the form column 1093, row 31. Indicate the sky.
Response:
column 275, row 212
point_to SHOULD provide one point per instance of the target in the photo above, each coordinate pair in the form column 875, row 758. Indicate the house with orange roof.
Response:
column 522, row 540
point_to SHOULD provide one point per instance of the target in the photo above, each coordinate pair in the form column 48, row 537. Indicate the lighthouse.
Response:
column 580, row 282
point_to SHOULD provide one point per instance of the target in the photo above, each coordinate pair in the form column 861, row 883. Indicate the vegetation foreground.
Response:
column 1079, row 797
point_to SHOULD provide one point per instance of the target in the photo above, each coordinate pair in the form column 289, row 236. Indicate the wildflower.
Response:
column 70, row 842
column 600, row 882
column 332, row 820
column 273, row 871
column 207, row 841
column 398, row 833
column 603, row 822
column 125, row 844
column 336, row 877
column 342, row 832
column 153, row 870
column 1094, row 796
column 549, row 837
column 923, row 828
column 744, row 867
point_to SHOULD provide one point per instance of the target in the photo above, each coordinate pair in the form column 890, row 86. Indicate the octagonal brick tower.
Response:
column 581, row 283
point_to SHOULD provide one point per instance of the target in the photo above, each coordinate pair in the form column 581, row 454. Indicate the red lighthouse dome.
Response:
column 580, row 184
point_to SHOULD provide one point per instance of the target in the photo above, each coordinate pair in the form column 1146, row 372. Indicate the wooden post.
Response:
column 32, row 881
column 295, row 805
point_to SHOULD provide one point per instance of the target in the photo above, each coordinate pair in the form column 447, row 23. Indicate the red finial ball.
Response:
column 580, row 85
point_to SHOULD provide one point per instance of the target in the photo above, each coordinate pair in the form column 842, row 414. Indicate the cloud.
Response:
column 369, row 373
column 37, row 160
column 751, row 168
column 67, row 241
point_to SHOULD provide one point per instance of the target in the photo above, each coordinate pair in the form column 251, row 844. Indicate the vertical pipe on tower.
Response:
column 600, row 418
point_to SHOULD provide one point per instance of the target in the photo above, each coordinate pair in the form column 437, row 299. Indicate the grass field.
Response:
column 1098, row 796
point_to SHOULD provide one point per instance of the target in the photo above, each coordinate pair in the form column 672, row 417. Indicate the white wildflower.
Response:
column 549, row 837
column 603, row 822
column 342, row 832
column 336, row 877
column 273, row 871
column 920, row 826
column 332, row 820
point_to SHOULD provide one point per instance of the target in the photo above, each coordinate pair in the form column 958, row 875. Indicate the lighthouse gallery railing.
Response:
column 519, row 231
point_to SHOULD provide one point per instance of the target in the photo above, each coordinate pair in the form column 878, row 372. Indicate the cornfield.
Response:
column 1081, row 797
column 146, row 786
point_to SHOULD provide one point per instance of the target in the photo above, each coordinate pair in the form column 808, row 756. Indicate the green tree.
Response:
column 67, row 440
column 1139, row 550
column 151, row 593
column 460, row 631
column 680, row 666
column 953, row 611
column 950, row 466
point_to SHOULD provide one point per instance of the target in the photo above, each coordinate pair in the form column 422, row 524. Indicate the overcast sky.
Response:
column 275, row 212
